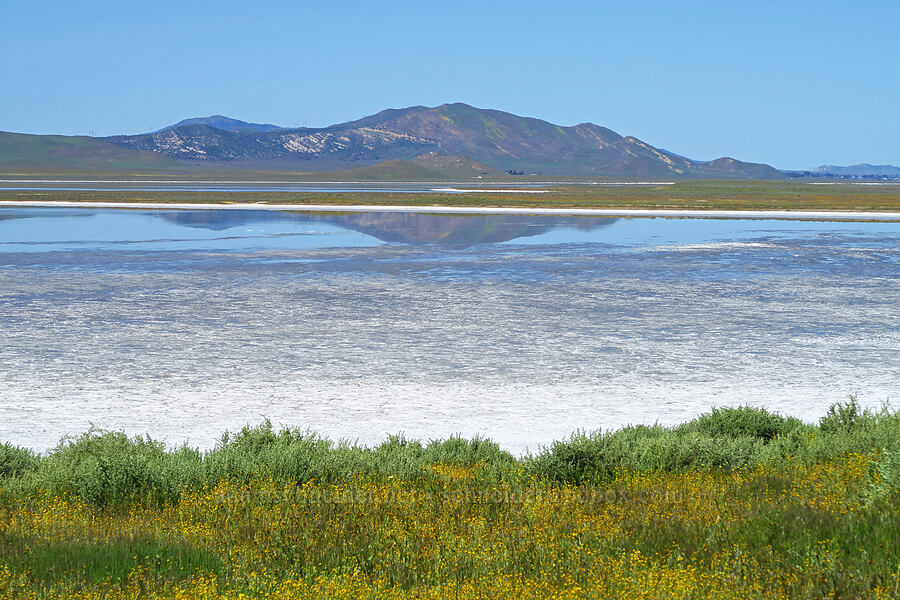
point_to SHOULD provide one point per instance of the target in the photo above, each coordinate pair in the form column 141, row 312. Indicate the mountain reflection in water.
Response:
column 408, row 228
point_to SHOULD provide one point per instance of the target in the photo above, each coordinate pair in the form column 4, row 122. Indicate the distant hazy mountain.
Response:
column 863, row 170
column 224, row 123
column 497, row 139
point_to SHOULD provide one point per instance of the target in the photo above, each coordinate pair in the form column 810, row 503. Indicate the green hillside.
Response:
column 30, row 153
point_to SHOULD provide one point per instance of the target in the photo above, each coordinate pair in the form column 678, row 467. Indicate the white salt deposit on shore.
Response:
column 596, row 212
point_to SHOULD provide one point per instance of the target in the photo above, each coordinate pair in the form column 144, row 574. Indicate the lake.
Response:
column 522, row 328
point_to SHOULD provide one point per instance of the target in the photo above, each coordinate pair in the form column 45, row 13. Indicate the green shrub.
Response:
column 460, row 451
column 289, row 454
column 579, row 459
column 109, row 467
column 599, row 457
column 105, row 467
column 888, row 469
column 15, row 461
column 743, row 421
column 300, row 456
column 843, row 416
column 398, row 456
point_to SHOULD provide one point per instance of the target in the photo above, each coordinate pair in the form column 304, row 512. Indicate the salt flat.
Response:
column 519, row 328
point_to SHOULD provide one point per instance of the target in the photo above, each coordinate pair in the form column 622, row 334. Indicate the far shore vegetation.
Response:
column 693, row 195
column 739, row 503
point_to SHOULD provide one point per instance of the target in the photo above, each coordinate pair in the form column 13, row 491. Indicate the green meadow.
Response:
column 738, row 503
column 693, row 195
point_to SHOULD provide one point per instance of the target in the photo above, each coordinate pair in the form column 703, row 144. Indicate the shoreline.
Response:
column 587, row 212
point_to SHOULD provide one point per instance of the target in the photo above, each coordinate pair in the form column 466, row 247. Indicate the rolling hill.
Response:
column 433, row 166
column 77, row 153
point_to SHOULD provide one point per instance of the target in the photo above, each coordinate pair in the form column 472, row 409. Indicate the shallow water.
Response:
column 522, row 328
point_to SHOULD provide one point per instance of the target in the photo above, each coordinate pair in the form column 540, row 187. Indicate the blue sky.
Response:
column 795, row 84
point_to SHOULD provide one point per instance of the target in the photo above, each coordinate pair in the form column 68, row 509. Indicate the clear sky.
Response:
column 794, row 84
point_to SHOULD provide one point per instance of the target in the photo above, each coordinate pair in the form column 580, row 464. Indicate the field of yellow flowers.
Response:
column 477, row 524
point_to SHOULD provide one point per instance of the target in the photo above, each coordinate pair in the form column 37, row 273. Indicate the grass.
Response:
column 739, row 503
column 705, row 194
column 86, row 562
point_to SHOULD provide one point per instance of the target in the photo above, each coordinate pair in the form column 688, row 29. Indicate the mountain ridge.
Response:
column 224, row 123
column 495, row 138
